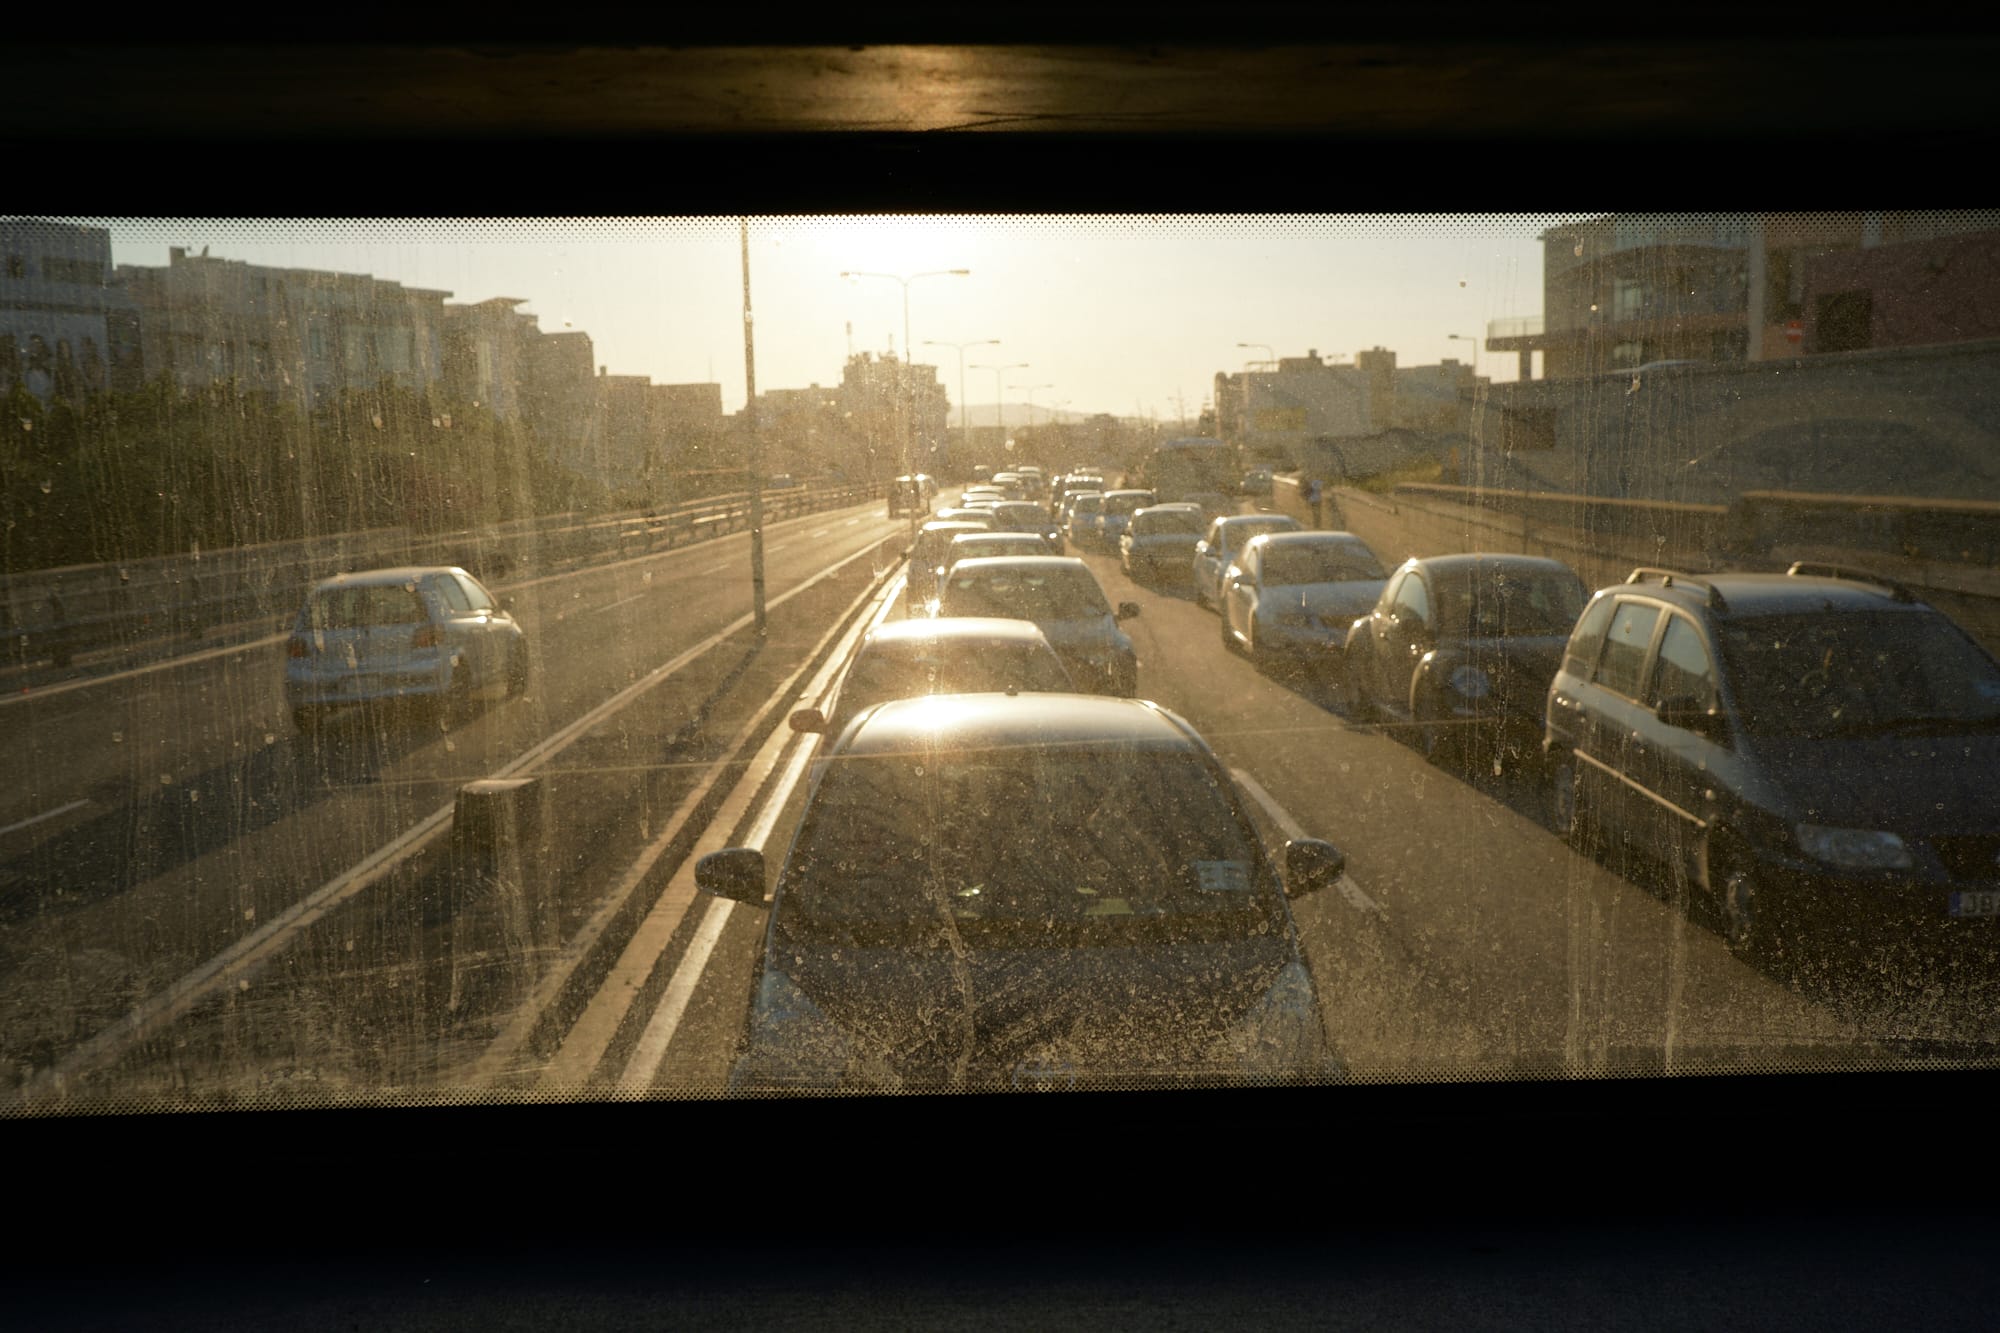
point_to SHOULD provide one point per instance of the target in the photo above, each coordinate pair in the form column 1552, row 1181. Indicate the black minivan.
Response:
column 1817, row 752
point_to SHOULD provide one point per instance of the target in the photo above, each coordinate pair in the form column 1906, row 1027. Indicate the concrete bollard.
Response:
column 500, row 872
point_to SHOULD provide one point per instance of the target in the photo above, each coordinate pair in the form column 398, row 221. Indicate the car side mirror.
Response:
column 735, row 873
column 1311, row 864
column 1689, row 714
column 808, row 719
column 1127, row 611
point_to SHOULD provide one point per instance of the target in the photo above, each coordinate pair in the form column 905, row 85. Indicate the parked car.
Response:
column 992, row 545
column 911, row 494
column 927, row 556
column 902, row 659
column 1160, row 538
column 1813, row 751
column 433, row 636
column 1288, row 597
column 981, row 518
column 993, row 892
column 1060, row 594
column 1214, row 553
column 1463, row 648
column 1119, row 506
column 1080, row 516
column 1026, row 516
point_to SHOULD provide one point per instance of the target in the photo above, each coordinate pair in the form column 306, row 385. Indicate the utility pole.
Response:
column 756, row 450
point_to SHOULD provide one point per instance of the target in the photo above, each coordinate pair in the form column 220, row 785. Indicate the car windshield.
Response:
column 1858, row 672
column 1235, row 536
column 1022, row 544
column 1174, row 522
column 1023, row 593
column 906, row 670
column 1506, row 604
column 1089, row 504
column 1038, row 836
column 1319, row 562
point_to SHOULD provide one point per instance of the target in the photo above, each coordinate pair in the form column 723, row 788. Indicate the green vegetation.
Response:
column 1425, row 470
column 164, row 469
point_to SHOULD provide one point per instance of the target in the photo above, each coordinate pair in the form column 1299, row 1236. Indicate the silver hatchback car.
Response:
column 434, row 636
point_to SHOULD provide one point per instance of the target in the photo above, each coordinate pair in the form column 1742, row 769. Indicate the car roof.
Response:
column 996, row 538
column 981, row 629
column 1230, row 520
column 1134, row 490
column 944, row 722
column 1035, row 562
column 382, row 578
column 1466, row 561
column 1312, row 538
column 1757, row 594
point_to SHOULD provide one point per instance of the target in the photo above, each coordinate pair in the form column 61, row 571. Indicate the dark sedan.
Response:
column 1027, row 892
column 1462, row 649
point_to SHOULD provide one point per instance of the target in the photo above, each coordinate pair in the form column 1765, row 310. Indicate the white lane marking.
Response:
column 248, row 953
column 622, row 600
column 819, row 532
column 46, row 814
column 1292, row 829
column 850, row 522
column 651, row 1052
column 227, row 650
column 493, row 1061
column 43, row 692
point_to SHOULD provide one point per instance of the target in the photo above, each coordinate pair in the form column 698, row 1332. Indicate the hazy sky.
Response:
column 1118, row 314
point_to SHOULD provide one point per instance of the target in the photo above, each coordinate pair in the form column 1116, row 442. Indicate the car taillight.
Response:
column 298, row 648
column 427, row 637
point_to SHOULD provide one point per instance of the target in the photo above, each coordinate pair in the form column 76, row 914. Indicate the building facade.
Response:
column 66, row 328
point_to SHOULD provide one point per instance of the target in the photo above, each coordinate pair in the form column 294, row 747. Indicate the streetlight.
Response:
column 1271, row 358
column 1467, row 338
column 909, row 379
column 1000, row 395
column 964, row 413
column 1030, row 388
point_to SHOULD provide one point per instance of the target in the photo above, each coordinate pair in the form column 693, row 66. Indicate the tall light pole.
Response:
column 1000, row 396
column 1271, row 358
column 1467, row 338
column 964, row 413
column 909, row 377
column 756, row 449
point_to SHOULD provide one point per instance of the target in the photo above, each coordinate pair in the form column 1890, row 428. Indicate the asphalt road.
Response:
column 1469, row 941
column 182, row 810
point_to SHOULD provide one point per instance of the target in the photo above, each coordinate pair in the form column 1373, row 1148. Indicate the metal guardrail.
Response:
column 60, row 614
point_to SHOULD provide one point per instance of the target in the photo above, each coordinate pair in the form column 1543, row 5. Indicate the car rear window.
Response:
column 1174, row 521
column 1505, row 604
column 1320, row 563
column 1034, row 835
column 1023, row 594
column 361, row 607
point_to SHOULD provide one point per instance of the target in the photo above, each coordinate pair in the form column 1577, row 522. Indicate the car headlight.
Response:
column 1281, row 1034
column 1471, row 682
column 1860, row 849
column 794, row 1044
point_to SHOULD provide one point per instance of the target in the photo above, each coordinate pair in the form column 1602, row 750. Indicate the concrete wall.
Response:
column 1911, row 422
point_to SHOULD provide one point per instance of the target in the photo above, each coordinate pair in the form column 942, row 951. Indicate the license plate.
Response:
column 1976, row 902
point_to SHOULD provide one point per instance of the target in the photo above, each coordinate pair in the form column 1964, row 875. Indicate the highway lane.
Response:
column 115, row 908
column 1469, row 941
column 114, row 739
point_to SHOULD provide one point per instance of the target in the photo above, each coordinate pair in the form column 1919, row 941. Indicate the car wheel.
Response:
column 1438, row 737
column 1746, row 926
column 517, row 672
column 1229, row 643
column 1355, row 697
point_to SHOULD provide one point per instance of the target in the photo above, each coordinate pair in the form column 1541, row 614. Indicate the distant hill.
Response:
column 984, row 414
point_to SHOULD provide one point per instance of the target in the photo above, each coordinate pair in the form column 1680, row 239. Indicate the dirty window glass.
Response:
column 270, row 839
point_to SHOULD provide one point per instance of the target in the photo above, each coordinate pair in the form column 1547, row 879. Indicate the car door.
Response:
column 1613, row 717
column 1239, row 589
column 1407, row 632
column 487, row 633
column 1674, row 762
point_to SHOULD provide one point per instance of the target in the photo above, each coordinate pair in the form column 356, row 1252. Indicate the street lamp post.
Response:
column 1000, row 396
column 1270, row 358
column 964, row 413
column 1467, row 338
column 909, row 378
